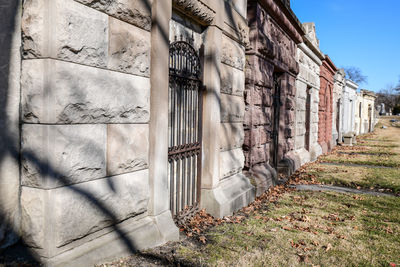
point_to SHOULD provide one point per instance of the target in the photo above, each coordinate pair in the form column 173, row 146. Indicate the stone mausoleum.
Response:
column 337, row 109
column 365, row 112
column 328, row 70
column 307, row 97
column 349, row 99
column 130, row 112
column 270, row 93
column 120, row 117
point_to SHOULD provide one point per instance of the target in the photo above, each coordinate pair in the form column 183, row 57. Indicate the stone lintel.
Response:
column 196, row 9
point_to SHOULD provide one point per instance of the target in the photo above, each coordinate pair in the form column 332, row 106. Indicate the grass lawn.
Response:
column 308, row 229
column 366, row 178
column 374, row 160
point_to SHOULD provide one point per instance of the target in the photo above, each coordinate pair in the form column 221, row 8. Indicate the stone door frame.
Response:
column 159, row 79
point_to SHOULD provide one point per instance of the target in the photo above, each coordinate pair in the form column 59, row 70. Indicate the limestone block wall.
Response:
column 339, row 83
column 307, row 89
column 225, row 188
column 10, row 65
column 358, row 120
column 272, row 51
column 349, row 98
column 85, row 104
column 231, row 133
column 365, row 112
column 328, row 71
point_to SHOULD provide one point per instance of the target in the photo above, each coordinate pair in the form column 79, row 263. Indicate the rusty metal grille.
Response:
column 184, row 150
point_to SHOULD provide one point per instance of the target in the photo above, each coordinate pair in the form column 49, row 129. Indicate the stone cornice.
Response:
column 285, row 18
column 350, row 84
column 303, row 47
column 329, row 63
column 365, row 92
column 196, row 10
column 315, row 49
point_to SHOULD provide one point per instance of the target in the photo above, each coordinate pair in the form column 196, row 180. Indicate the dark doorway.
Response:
column 308, row 120
column 276, row 93
column 184, row 150
column 369, row 118
column 338, row 114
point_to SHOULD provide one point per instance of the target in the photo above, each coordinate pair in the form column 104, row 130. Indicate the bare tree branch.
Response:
column 355, row 74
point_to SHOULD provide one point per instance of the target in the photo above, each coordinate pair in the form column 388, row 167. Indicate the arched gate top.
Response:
column 184, row 60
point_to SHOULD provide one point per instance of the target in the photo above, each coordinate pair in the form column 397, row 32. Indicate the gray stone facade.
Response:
column 93, row 92
column 337, row 106
column 349, row 98
column 365, row 112
column 85, row 98
column 307, row 98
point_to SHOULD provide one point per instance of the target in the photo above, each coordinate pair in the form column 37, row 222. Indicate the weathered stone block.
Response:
column 289, row 118
column 76, row 215
column 240, row 6
column 33, row 216
column 80, row 210
column 55, row 155
column 232, row 80
column 134, row 12
column 300, row 129
column 64, row 29
column 300, row 143
column 260, row 154
column 33, row 28
column 257, row 116
column 129, row 48
column 232, row 108
column 232, row 53
column 127, row 148
column 259, row 71
column 267, row 97
column 231, row 162
column 231, row 135
column 61, row 92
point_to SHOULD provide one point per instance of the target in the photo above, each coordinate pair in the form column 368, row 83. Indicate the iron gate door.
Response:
column 184, row 151
column 275, row 124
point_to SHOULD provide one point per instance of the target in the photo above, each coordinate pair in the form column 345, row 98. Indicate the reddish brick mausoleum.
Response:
column 271, row 72
column 327, row 73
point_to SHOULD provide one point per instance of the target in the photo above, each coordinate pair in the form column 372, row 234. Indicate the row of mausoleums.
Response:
column 118, row 115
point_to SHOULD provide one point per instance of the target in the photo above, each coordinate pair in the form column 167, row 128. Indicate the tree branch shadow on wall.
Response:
column 10, row 144
column 10, row 147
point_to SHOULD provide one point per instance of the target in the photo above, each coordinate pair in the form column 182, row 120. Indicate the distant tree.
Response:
column 389, row 96
column 355, row 74
column 397, row 87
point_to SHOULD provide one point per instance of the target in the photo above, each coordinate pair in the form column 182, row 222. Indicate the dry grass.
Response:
column 306, row 229
column 374, row 160
column 366, row 178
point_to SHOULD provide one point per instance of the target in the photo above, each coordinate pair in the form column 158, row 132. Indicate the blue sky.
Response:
column 360, row 33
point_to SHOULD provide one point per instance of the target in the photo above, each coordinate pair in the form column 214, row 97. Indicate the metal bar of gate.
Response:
column 185, row 125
